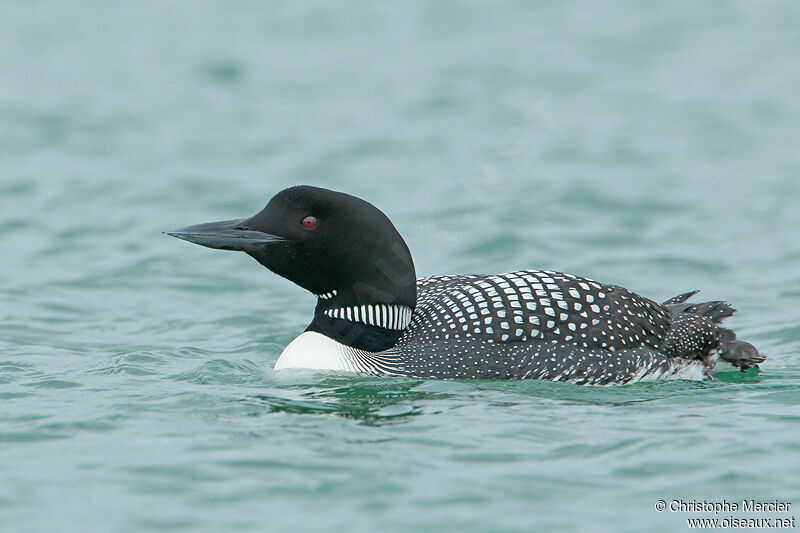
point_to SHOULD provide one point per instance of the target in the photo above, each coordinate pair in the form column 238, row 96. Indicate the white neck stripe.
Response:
column 387, row 316
column 327, row 295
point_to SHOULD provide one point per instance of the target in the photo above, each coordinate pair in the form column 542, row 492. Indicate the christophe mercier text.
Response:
column 724, row 506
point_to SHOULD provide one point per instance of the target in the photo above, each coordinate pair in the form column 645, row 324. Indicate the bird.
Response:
column 374, row 317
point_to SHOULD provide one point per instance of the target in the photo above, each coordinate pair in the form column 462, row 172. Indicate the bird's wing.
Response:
column 536, row 306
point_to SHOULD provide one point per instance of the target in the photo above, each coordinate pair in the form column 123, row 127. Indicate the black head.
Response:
column 327, row 242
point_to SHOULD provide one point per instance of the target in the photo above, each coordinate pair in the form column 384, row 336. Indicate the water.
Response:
column 653, row 146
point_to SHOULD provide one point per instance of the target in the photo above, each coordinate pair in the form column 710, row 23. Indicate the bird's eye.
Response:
column 309, row 222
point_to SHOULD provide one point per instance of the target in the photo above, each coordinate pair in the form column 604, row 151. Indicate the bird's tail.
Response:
column 740, row 354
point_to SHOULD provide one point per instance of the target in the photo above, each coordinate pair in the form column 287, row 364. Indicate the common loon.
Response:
column 373, row 315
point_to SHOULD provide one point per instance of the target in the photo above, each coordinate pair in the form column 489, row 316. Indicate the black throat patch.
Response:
column 354, row 334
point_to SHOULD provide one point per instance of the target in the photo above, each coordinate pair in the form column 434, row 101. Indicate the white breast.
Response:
column 315, row 351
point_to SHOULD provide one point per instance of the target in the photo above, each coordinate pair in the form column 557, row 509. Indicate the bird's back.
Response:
column 549, row 325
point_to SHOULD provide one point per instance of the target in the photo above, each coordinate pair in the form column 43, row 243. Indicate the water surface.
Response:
column 654, row 147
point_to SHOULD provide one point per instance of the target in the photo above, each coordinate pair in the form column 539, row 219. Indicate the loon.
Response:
column 373, row 316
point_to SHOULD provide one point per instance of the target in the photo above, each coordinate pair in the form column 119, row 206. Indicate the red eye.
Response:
column 309, row 222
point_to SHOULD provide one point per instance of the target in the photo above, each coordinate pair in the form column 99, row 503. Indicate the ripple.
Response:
column 53, row 384
column 222, row 371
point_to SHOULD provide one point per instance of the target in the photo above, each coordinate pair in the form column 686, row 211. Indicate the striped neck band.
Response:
column 387, row 316
column 327, row 295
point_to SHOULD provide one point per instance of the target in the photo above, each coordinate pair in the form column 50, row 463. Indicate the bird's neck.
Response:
column 373, row 325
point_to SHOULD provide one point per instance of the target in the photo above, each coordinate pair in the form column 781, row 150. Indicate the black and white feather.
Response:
column 386, row 316
column 548, row 325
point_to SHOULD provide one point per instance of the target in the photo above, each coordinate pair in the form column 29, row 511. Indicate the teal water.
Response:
column 651, row 146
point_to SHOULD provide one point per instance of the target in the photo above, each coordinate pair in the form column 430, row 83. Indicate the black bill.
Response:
column 226, row 235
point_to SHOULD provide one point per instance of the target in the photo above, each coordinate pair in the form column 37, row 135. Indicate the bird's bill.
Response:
column 226, row 235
